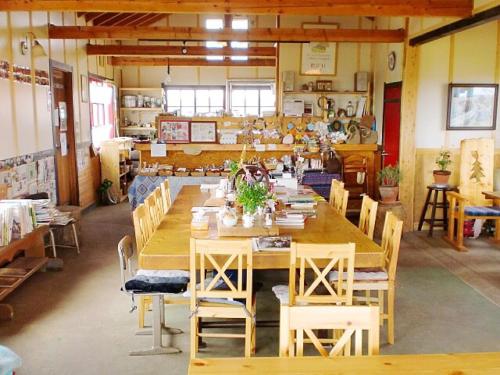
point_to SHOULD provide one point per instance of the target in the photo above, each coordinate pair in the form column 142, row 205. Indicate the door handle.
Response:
column 385, row 153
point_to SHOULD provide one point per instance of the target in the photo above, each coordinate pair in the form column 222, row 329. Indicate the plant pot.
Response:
column 441, row 177
column 389, row 194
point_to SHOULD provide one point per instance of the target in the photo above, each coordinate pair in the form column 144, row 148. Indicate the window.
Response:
column 191, row 101
column 214, row 23
column 102, row 98
column 252, row 98
column 239, row 24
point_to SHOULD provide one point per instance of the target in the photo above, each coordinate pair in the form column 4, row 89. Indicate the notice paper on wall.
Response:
column 158, row 150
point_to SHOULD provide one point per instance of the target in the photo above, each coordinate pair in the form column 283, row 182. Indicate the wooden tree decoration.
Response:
column 477, row 171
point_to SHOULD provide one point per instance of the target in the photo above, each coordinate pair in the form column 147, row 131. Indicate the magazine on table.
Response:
column 272, row 243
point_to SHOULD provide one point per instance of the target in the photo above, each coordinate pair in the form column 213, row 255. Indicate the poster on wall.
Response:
column 204, row 131
column 472, row 106
column 318, row 58
column 173, row 130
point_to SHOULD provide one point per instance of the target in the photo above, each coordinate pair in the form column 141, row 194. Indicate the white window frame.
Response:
column 259, row 83
column 195, row 88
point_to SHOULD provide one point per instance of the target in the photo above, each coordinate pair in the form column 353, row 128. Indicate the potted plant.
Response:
column 251, row 196
column 104, row 191
column 442, row 175
column 388, row 179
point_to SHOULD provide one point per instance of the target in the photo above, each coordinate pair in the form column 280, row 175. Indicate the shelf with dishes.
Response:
column 152, row 109
column 305, row 92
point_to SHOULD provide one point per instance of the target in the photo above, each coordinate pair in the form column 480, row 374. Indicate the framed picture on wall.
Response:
column 472, row 106
column 172, row 130
column 319, row 58
column 203, row 131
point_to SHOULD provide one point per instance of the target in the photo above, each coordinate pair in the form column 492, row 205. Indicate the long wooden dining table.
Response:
column 168, row 248
column 412, row 364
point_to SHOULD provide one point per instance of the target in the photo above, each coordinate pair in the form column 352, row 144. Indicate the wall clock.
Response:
column 391, row 60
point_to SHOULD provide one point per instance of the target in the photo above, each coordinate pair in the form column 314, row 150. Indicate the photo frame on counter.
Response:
column 203, row 131
column 319, row 58
column 173, row 129
column 472, row 106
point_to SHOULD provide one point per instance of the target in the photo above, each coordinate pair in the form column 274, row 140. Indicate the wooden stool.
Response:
column 433, row 222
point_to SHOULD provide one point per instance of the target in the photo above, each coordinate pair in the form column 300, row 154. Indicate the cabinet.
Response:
column 116, row 165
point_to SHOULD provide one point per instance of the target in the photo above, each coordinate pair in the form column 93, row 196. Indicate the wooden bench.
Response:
column 459, row 212
column 18, row 261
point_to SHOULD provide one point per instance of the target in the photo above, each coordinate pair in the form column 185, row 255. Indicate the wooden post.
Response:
column 408, row 122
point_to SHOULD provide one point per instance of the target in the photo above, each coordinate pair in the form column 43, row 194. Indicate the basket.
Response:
column 165, row 172
column 213, row 173
column 198, row 173
column 182, row 174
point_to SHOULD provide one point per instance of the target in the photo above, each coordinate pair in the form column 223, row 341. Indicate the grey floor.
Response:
column 77, row 322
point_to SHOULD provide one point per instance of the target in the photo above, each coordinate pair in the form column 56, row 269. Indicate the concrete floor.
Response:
column 76, row 321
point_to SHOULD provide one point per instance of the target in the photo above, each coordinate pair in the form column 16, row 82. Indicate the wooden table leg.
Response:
column 6, row 312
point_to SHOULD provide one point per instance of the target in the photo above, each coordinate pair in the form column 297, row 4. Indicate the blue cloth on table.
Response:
column 482, row 211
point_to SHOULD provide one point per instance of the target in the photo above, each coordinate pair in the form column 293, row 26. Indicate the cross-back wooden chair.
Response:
column 350, row 321
column 340, row 200
column 153, row 209
column 383, row 280
column 336, row 184
column 221, row 296
column 166, row 196
column 318, row 260
column 368, row 216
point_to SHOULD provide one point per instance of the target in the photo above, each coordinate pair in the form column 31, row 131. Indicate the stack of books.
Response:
column 293, row 220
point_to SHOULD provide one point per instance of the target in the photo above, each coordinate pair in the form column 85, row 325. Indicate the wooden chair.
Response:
column 318, row 260
column 336, row 184
column 382, row 280
column 368, row 216
column 221, row 297
column 459, row 211
column 350, row 321
column 166, row 196
column 159, row 203
column 143, row 227
column 154, row 210
column 340, row 200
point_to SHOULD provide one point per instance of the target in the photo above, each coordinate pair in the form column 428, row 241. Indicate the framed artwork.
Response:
column 172, row 130
column 84, row 88
column 319, row 58
column 203, row 131
column 472, row 106
column 324, row 85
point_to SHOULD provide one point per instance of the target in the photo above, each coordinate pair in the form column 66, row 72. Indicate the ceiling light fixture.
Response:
column 168, row 77
column 184, row 49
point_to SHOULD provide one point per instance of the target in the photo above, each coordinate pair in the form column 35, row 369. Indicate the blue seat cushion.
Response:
column 482, row 211
column 156, row 284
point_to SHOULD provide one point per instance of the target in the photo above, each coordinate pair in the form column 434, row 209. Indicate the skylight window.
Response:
column 240, row 24
column 215, row 58
column 214, row 23
column 239, row 44
column 239, row 58
column 213, row 44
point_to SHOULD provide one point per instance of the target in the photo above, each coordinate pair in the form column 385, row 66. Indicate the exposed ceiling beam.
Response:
column 124, row 20
column 152, row 61
column 477, row 19
column 104, row 17
column 91, row 16
column 152, row 19
column 201, row 34
column 439, row 8
column 123, row 50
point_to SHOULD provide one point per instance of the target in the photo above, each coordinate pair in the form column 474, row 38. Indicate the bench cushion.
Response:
column 482, row 211
column 362, row 275
column 158, row 281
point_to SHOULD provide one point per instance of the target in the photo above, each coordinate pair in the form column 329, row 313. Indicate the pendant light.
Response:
column 168, row 77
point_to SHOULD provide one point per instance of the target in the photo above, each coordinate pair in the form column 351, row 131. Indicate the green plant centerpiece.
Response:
column 442, row 174
column 388, row 179
column 252, row 195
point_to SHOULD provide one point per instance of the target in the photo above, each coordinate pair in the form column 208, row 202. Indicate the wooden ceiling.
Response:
column 122, row 19
column 433, row 8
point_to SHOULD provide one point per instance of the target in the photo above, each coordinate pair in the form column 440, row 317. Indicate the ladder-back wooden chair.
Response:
column 153, row 209
column 368, row 216
column 336, row 184
column 340, row 200
column 350, row 321
column 143, row 227
column 166, row 196
column 382, row 280
column 159, row 203
column 221, row 296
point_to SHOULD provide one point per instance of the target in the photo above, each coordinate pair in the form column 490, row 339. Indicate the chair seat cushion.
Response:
column 161, row 281
column 482, row 211
column 362, row 275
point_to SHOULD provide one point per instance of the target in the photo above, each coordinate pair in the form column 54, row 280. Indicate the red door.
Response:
column 391, row 123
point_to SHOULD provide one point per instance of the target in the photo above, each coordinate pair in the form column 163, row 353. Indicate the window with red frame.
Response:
column 102, row 100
